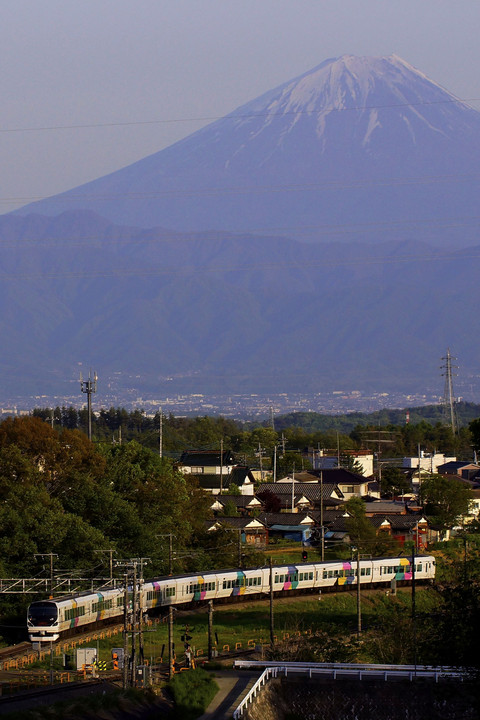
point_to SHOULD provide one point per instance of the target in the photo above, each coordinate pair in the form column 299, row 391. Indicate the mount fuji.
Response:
column 359, row 148
column 190, row 270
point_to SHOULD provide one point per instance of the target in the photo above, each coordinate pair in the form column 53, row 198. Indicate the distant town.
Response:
column 242, row 406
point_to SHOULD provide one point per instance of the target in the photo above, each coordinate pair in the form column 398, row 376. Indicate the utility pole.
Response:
column 140, row 612
column 170, row 642
column 240, row 548
column 160, row 433
column 89, row 387
column 275, row 463
column 111, row 553
column 359, row 608
column 133, row 677
column 125, row 633
column 293, row 489
column 221, row 466
column 170, row 550
column 414, row 607
column 51, row 556
column 272, row 632
column 260, row 455
column 322, row 529
column 210, row 629
column 272, row 418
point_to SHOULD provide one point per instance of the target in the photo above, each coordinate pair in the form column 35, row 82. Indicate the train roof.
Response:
column 209, row 573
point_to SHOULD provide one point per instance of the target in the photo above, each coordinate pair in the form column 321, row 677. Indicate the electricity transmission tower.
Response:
column 448, row 396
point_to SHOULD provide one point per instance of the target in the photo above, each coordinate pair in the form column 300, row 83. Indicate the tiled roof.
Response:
column 284, row 518
column 238, row 500
column 340, row 475
column 206, row 458
column 240, row 473
column 312, row 491
column 386, row 507
column 329, row 516
column 211, row 481
column 240, row 522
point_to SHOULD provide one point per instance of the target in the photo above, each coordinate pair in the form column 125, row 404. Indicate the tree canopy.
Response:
column 445, row 500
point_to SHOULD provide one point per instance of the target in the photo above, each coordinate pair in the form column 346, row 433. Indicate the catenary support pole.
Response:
column 210, row 629
column 272, row 629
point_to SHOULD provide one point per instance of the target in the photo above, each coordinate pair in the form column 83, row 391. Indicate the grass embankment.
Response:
column 335, row 614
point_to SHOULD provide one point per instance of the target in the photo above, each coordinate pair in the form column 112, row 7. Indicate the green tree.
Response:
column 230, row 509
column 348, row 462
column 474, row 427
column 360, row 529
column 394, row 481
column 445, row 500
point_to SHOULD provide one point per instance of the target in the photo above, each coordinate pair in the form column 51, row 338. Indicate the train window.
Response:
column 300, row 577
column 102, row 605
column 71, row 613
column 419, row 567
column 325, row 574
column 368, row 571
column 120, row 601
column 330, row 573
column 310, row 575
column 362, row 571
column 170, row 592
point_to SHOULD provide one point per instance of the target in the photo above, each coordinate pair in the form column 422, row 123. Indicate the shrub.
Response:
column 192, row 692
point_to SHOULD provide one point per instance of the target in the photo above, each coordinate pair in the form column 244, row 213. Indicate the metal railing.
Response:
column 334, row 671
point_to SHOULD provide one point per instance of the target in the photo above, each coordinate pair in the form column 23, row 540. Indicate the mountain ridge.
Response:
column 228, row 312
column 308, row 159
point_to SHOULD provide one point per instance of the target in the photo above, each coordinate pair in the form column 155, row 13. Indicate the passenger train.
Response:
column 49, row 620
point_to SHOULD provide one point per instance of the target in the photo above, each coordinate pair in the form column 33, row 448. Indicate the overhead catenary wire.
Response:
column 232, row 116
column 69, row 196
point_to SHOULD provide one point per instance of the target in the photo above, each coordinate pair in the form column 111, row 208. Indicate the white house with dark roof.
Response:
column 245, row 504
column 217, row 472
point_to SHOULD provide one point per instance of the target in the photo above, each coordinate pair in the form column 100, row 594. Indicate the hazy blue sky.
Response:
column 160, row 65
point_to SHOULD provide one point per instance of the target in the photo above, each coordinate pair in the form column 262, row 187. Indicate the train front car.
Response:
column 42, row 621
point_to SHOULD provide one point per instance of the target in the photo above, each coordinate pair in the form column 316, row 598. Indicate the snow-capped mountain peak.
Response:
column 366, row 138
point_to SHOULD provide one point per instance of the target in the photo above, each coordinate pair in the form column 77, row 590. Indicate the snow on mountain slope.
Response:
column 355, row 141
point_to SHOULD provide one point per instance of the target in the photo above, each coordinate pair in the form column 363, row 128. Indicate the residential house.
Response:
column 297, row 496
column 350, row 484
column 290, row 526
column 245, row 504
column 217, row 472
column 428, row 462
column 326, row 460
column 252, row 531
